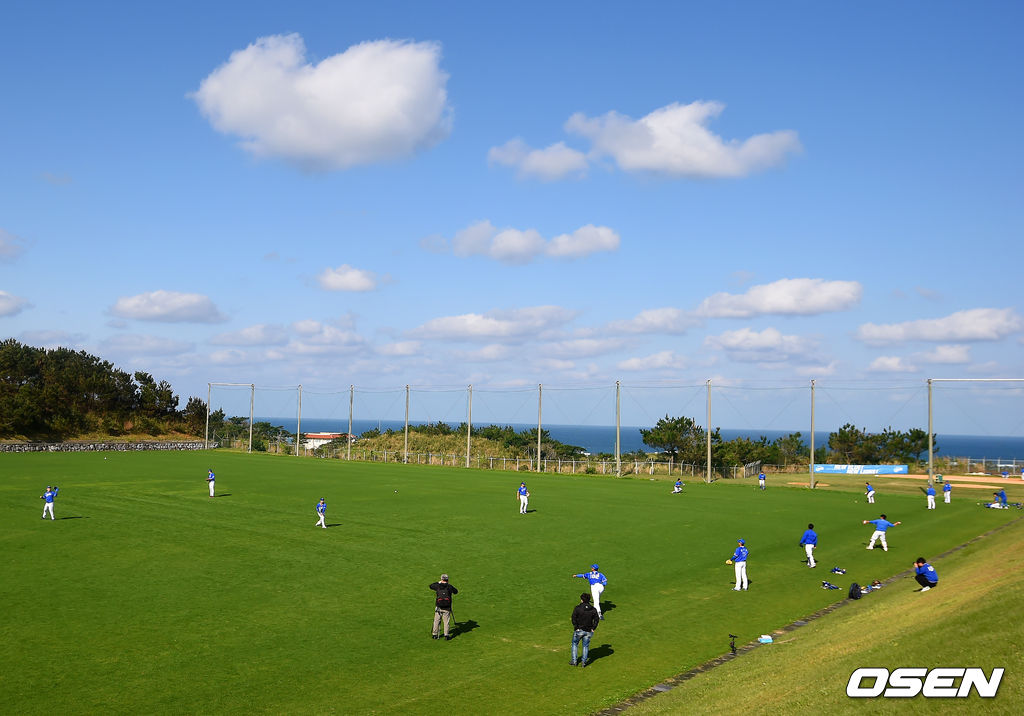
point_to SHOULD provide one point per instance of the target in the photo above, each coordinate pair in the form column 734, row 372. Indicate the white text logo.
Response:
column 934, row 684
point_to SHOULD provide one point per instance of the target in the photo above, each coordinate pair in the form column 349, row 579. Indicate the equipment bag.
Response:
column 854, row 591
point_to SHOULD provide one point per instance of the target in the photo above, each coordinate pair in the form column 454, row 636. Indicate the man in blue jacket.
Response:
column 809, row 542
column 925, row 575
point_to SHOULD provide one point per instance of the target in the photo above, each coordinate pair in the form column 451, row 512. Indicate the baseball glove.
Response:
column 728, row 561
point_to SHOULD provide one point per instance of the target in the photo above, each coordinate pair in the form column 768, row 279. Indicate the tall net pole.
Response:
column 618, row 430
column 540, row 400
column 812, row 435
column 708, row 431
column 406, row 456
column 469, row 424
column 209, row 397
column 252, row 405
column 298, row 426
column 351, row 403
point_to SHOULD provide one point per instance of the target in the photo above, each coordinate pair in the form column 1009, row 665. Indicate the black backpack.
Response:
column 444, row 597
column 854, row 591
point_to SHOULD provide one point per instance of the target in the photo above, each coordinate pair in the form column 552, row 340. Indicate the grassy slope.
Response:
column 161, row 599
column 972, row 619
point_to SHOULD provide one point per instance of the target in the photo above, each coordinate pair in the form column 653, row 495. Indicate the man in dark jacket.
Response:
column 584, row 622
column 443, row 605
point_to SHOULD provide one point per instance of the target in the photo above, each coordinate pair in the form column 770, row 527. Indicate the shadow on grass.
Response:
column 334, row 524
column 74, row 517
column 607, row 606
column 463, row 627
column 223, row 494
column 599, row 652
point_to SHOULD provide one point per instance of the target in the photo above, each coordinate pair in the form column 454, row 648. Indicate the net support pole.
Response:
column 209, row 396
column 469, row 424
column 931, row 446
column 351, row 400
column 812, row 435
column 405, row 457
column 708, row 431
column 540, row 402
column 252, row 404
column 298, row 425
column 618, row 429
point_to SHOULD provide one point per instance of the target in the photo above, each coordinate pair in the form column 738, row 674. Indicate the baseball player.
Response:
column 48, row 497
column 809, row 542
column 524, row 497
column 881, row 525
column 930, row 493
column 760, row 480
column 1000, row 497
column 739, row 562
column 597, row 584
column 210, row 478
column 925, row 575
column 870, row 493
column 321, row 511
column 947, row 490
column 678, row 487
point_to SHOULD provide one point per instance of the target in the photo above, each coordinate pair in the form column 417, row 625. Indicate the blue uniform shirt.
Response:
column 522, row 490
column 928, row 571
column 48, row 496
column 593, row 577
column 679, row 483
column 321, row 507
column 930, row 491
column 868, row 487
column 210, row 477
column 1002, row 496
column 947, row 487
column 761, row 476
column 810, row 537
column 740, row 555
column 881, row 525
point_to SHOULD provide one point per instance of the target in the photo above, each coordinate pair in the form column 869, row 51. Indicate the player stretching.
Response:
column 597, row 584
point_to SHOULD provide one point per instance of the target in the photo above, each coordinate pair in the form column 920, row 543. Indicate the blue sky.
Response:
column 440, row 194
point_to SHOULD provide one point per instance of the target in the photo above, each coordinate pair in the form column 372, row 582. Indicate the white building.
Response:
column 311, row 441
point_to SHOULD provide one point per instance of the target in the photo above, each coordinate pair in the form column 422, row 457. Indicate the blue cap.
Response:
column 741, row 541
column 593, row 566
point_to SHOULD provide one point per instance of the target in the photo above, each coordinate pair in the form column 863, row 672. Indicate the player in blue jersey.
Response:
column 925, row 575
column 1000, row 497
column 739, row 562
column 48, row 497
column 881, row 525
column 930, row 494
column 678, row 487
column 870, row 491
column 524, row 497
column 210, row 478
column 809, row 542
column 597, row 584
column 760, row 480
column 947, row 491
column 321, row 511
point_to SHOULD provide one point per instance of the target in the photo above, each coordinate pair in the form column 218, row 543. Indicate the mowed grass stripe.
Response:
column 162, row 599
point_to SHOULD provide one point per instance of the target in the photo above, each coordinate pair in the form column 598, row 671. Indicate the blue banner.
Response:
column 861, row 469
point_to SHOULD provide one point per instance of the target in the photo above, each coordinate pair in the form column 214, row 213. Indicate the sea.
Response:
column 601, row 438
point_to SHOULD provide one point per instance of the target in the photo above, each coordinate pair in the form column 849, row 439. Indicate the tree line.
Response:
column 57, row 393
column 685, row 441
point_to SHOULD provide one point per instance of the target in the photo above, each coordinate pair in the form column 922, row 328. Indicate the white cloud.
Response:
column 553, row 162
column 768, row 345
column 490, row 352
column 52, row 339
column 663, row 360
column 675, row 140
column 583, row 347
column 168, row 307
column 891, row 364
column 146, row 345
column 515, row 246
column 260, row 334
column 788, row 296
column 11, row 246
column 818, row 370
column 655, row 320
column 976, row 324
column 320, row 339
column 402, row 348
column 347, row 278
column 512, row 324
column 229, row 356
column 11, row 305
column 376, row 101
column 947, row 354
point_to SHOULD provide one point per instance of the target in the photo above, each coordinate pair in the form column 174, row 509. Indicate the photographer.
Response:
column 443, row 606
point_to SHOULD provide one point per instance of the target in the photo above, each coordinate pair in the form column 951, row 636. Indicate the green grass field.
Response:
column 148, row 596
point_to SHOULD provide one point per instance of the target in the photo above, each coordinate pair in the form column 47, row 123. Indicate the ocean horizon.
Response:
column 601, row 438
